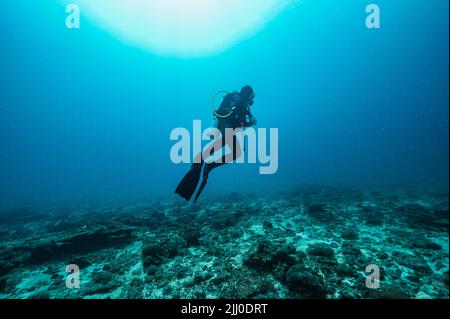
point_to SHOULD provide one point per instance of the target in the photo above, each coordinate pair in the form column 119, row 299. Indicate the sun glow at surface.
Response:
column 181, row 27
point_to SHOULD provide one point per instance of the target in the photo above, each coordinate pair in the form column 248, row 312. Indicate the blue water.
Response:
column 84, row 116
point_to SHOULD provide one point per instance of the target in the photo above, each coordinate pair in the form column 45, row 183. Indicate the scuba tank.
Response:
column 227, row 106
column 232, row 111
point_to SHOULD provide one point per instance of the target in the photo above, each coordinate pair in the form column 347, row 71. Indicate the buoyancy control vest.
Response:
column 233, row 112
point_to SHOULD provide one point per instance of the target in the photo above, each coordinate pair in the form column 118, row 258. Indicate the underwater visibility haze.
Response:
column 87, row 178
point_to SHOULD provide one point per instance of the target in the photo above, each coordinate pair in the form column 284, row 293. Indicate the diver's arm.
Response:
column 251, row 119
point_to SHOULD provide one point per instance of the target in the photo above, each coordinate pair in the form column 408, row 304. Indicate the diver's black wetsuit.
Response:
column 240, row 118
column 237, row 106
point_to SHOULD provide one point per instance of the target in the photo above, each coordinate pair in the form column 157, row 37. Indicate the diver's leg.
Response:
column 189, row 184
column 186, row 188
column 236, row 150
column 209, row 151
column 226, row 159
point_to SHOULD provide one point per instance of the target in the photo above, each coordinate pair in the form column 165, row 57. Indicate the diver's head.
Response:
column 248, row 94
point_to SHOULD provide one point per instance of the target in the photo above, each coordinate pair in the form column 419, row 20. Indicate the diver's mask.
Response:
column 251, row 99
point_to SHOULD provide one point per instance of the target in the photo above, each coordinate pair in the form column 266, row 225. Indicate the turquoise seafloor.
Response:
column 308, row 242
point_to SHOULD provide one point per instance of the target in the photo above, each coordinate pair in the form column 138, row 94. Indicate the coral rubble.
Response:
column 311, row 242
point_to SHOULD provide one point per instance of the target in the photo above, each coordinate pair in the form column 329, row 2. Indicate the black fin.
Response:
column 202, row 186
column 208, row 168
column 189, row 183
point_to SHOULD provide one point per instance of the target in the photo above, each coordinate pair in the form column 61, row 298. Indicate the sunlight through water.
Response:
column 181, row 27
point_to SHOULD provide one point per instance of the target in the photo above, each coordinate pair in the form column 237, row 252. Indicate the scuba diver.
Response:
column 233, row 113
